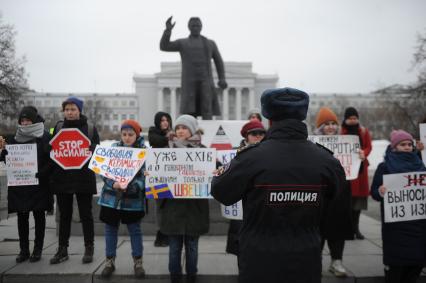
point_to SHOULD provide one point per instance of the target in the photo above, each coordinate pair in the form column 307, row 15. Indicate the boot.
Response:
column 355, row 222
column 60, row 256
column 358, row 235
column 139, row 271
column 88, row 254
column 22, row 256
column 161, row 240
column 176, row 278
column 109, row 267
column 36, row 255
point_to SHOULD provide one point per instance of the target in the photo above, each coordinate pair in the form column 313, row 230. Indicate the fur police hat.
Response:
column 284, row 103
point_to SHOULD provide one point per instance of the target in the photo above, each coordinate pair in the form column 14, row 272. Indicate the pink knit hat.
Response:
column 398, row 136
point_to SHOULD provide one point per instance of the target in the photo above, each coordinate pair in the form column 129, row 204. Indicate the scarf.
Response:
column 401, row 162
column 26, row 133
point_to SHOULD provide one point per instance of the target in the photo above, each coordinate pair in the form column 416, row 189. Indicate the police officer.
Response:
column 282, row 182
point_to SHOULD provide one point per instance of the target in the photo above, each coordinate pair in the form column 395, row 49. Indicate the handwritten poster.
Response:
column 21, row 164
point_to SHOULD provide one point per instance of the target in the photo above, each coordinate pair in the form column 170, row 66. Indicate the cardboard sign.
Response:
column 405, row 197
column 423, row 139
column 346, row 150
column 179, row 172
column 234, row 211
column 70, row 149
column 21, row 164
column 120, row 164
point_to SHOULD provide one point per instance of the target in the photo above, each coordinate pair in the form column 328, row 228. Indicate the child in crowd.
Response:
column 184, row 220
column 404, row 243
column 124, row 204
column 30, row 198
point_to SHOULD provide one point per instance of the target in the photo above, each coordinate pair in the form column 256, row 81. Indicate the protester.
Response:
column 79, row 182
column 125, row 204
column 253, row 132
column 359, row 186
column 254, row 114
column 336, row 224
column 404, row 243
column 158, row 137
column 30, row 198
column 281, row 182
column 184, row 220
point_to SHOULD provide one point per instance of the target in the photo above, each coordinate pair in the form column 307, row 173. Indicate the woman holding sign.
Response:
column 81, row 182
column 121, row 203
column 359, row 186
column 336, row 223
column 36, row 198
column 404, row 243
column 184, row 220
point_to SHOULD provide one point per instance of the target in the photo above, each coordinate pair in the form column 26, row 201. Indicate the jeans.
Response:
column 24, row 228
column 111, row 238
column 175, row 252
column 84, row 202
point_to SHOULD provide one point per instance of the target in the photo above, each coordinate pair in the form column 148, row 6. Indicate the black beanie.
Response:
column 28, row 112
column 350, row 111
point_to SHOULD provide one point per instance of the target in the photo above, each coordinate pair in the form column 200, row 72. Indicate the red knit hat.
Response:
column 252, row 126
column 132, row 124
column 325, row 114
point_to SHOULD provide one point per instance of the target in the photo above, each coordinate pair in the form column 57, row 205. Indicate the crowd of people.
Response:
column 275, row 242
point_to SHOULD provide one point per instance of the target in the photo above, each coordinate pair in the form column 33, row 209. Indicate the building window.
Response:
column 106, row 116
column 124, row 103
column 115, row 128
column 123, row 116
column 132, row 103
column 115, row 103
column 115, row 117
column 132, row 116
column 38, row 103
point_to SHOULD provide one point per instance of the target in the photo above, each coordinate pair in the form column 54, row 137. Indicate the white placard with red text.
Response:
column 346, row 150
column 405, row 196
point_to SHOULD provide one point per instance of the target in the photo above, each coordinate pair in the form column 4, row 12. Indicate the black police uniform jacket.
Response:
column 282, row 182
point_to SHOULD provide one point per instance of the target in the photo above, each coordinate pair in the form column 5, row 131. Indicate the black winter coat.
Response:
column 75, row 180
column 184, row 216
column 156, row 137
column 336, row 223
column 37, row 197
column 281, row 182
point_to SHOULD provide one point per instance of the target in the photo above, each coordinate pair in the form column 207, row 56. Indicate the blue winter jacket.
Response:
column 133, row 198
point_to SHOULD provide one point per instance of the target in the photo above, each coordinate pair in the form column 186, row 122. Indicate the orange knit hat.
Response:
column 133, row 125
column 325, row 114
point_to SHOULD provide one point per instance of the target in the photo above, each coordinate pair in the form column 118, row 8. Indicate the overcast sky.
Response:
column 342, row 46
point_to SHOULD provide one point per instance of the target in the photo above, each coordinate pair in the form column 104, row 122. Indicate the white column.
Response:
column 225, row 104
column 238, row 106
column 160, row 97
column 173, row 103
column 251, row 99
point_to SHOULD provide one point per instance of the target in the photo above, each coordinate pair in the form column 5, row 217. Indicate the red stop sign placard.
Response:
column 70, row 149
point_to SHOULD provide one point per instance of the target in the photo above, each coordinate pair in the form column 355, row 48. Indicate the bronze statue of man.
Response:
column 199, row 97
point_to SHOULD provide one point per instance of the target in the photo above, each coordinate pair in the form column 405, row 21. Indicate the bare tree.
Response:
column 13, row 81
column 404, row 105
